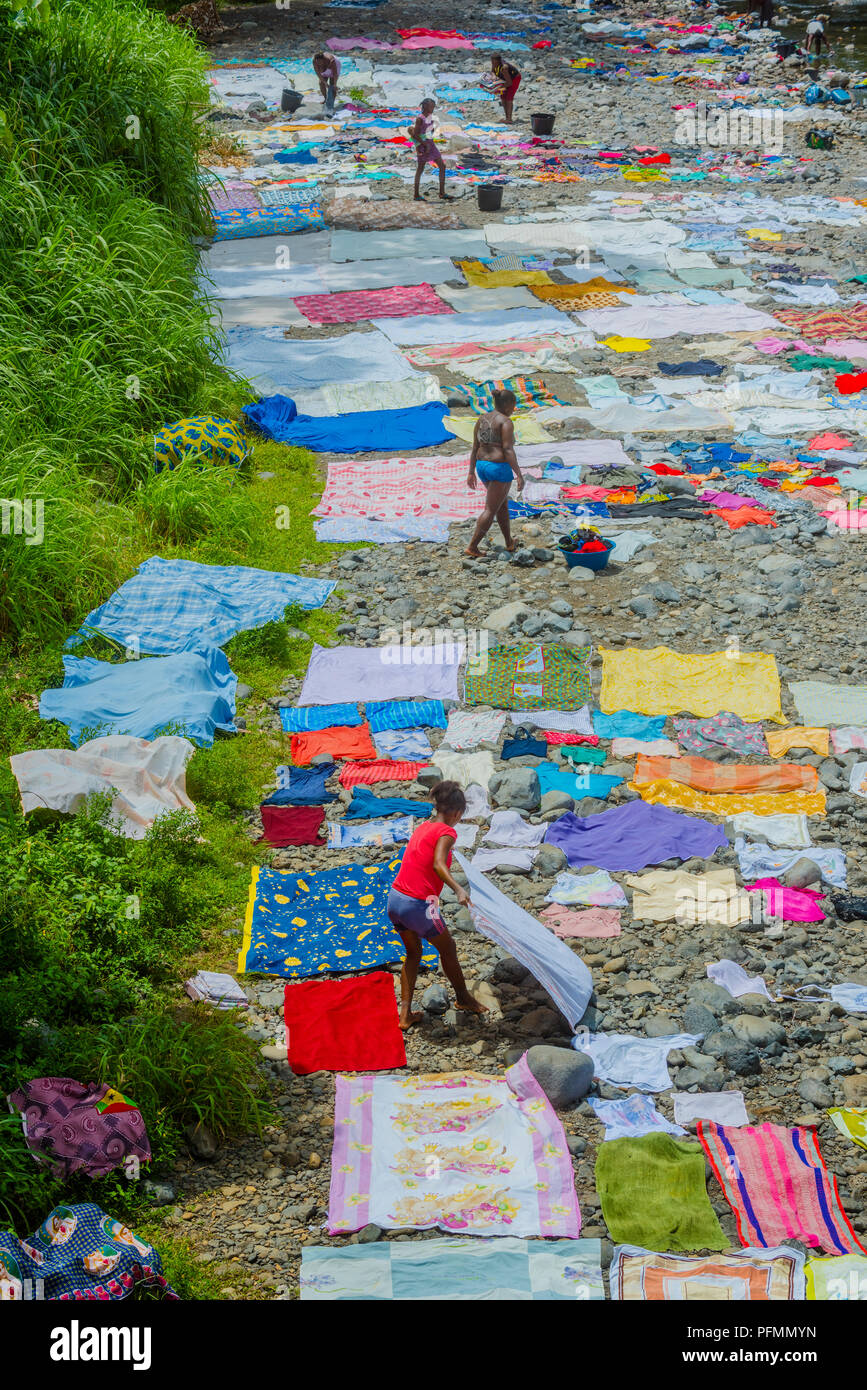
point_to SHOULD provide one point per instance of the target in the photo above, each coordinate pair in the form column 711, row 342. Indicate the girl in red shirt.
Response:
column 413, row 903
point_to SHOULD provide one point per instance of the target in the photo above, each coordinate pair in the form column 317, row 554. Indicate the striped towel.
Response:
column 777, row 1185
column 379, row 770
column 314, row 717
column 528, row 393
column 405, row 714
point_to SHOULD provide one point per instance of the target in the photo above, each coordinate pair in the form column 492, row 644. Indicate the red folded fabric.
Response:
column 381, row 770
column 552, row 736
column 850, row 382
column 663, row 468
column 593, row 545
column 292, row 825
column 343, row 1025
column 542, row 43
column 656, row 159
column 339, row 741
column 745, row 516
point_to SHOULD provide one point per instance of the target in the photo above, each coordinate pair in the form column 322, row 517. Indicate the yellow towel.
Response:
column 660, row 681
column 485, row 279
column 852, row 1122
column 681, row 798
column 619, row 344
column 779, row 741
column 527, row 431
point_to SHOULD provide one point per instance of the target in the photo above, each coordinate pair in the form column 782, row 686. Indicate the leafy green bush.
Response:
column 183, row 504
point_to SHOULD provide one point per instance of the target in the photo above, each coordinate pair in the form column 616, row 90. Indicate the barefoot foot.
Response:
column 407, row 1020
column 471, row 1005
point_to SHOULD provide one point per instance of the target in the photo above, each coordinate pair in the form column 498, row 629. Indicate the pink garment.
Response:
column 422, row 41
column 233, row 195
column 355, row 306
column 829, row 441
column 593, row 494
column 789, row 904
column 590, row 921
column 510, row 346
column 774, row 345
column 386, row 488
column 731, row 501
column 848, row 519
column 360, row 42
column 847, row 347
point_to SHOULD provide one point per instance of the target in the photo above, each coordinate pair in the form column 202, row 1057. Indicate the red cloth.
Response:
column 508, row 93
column 542, row 43
column 340, row 741
column 656, row 159
column 417, row 877
column 593, row 545
column 744, row 516
column 663, row 468
column 343, row 1025
column 851, row 382
column 382, row 770
column 551, row 736
column 292, row 825
column 829, row 441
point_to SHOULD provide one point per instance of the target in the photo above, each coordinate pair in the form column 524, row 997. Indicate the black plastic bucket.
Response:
column 490, row 196
column 542, row 123
column 290, row 100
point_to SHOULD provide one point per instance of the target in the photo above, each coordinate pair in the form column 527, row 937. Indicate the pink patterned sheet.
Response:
column 233, row 195
column 389, row 488
column 353, row 306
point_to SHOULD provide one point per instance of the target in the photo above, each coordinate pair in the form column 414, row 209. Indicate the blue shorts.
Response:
column 491, row 472
column 414, row 914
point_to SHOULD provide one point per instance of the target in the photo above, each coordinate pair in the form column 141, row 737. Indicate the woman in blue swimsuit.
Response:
column 493, row 460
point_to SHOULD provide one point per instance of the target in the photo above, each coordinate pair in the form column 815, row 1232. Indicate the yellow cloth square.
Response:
column 477, row 274
column 681, row 798
column 660, row 681
column 779, row 741
column 619, row 344
column 527, row 431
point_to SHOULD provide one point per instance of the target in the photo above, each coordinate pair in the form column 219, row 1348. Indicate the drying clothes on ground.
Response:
column 661, row 681
column 669, row 320
column 731, row 976
column 415, row 427
column 177, row 605
column 529, row 676
column 527, row 429
column 673, row 895
column 191, row 691
column 79, row 1254
column 302, row 787
column 576, row 785
column 464, row 768
column 629, row 747
column 468, row 728
column 256, row 222
column 407, row 528
column 391, row 488
column 624, row 724
column 702, row 367
column 852, row 1123
column 383, row 770
column 144, row 779
column 830, row 324
column 590, row 922
column 306, row 364
column 199, row 438
column 789, row 831
column 634, row 1116
column 836, row 1277
column 452, row 1269
column 502, row 1165
column 628, row 542
column 850, row 996
column 473, row 300
column 486, row 279
column 302, row 925
column 564, row 721
column 405, row 714
column 721, row 731
column 411, row 744
column 343, row 1025
column 725, row 1107
column 381, row 673
column 633, row 836
column 596, row 889
column 778, row 1187
column 492, row 860
column 726, row 804
column 579, row 753
column 510, row 828
column 756, row 860
column 299, row 721
column 653, row 1194
column 373, row 275
column 471, row 327
column 355, row 306
column 756, row 1276
column 789, row 904
column 213, row 987
column 858, row 779
column 338, row 398
column 292, row 825
column 818, row 702
column 405, row 242
column 781, row 740
column 707, row 775
column 350, row 742
column 524, row 748
column 70, row 1126
column 366, row 804
column 529, row 394
column 625, row 1061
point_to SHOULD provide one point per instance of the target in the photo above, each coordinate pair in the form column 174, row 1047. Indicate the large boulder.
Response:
column 519, row 788
column 564, row 1075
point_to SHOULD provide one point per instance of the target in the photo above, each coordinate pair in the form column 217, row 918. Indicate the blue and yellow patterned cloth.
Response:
column 201, row 437
column 79, row 1253
column 303, row 925
column 244, row 222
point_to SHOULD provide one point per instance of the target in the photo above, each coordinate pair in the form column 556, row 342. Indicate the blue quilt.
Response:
column 180, row 605
column 359, row 431
column 312, row 718
column 304, row 925
column 191, row 694
column 302, row 786
column 366, row 804
column 405, row 714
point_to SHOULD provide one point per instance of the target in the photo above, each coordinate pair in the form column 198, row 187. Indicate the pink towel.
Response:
column 591, row 921
column 789, row 904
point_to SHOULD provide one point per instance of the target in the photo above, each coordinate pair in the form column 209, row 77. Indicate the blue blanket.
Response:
column 315, row 717
column 301, row 786
column 358, row 432
column 366, row 804
column 191, row 693
column 180, row 605
column 305, row 925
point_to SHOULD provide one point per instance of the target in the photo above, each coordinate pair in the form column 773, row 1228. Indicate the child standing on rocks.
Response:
column 426, row 150
column 413, row 903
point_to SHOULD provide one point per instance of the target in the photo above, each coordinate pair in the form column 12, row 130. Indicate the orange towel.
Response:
column 709, row 776
column 339, row 741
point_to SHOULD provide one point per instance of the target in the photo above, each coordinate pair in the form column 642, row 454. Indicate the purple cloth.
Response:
column 733, row 501
column 633, row 836
column 390, row 672
column 233, row 195
column 64, row 1125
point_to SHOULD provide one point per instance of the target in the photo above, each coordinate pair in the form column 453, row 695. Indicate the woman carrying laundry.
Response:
column 413, row 903
column 327, row 69
column 509, row 80
column 493, row 460
column 426, row 151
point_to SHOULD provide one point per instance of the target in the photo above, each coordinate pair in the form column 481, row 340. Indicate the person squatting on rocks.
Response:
column 493, row 460
column 816, row 34
column 413, row 902
column 509, row 79
column 426, row 151
column 327, row 69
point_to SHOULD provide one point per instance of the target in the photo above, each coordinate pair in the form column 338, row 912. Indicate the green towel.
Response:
column 583, row 753
column 653, row 1194
column 527, row 675
column 807, row 361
